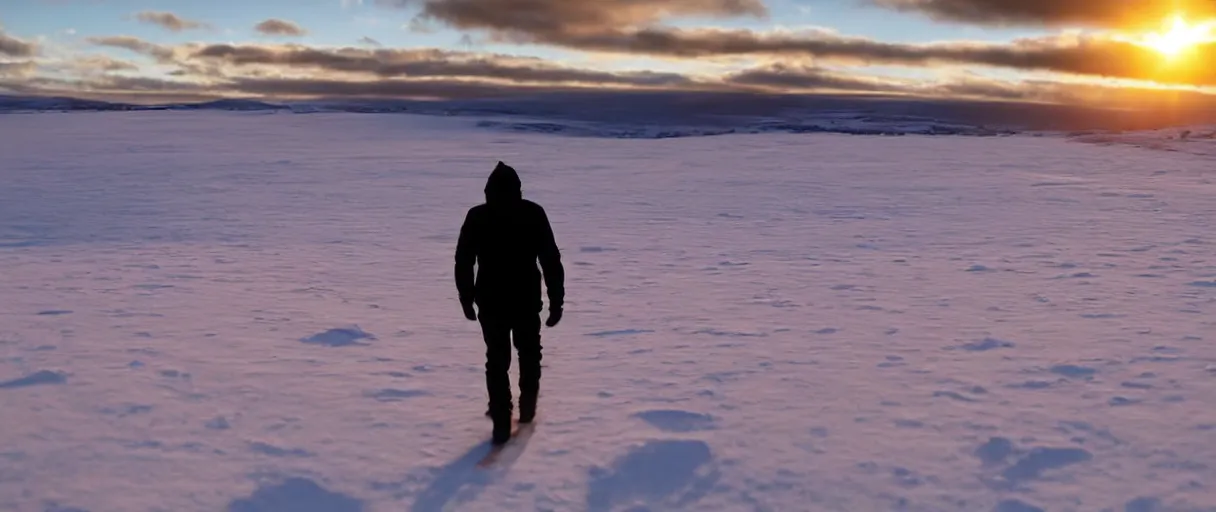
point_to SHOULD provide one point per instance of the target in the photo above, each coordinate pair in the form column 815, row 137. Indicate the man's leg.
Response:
column 497, row 334
column 527, row 342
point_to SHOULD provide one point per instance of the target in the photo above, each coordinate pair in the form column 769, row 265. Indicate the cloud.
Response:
column 169, row 21
column 100, row 63
column 388, row 63
column 796, row 81
column 788, row 78
column 1096, row 56
column 163, row 54
column 552, row 19
column 23, row 68
column 1093, row 13
column 791, row 63
column 14, row 47
column 370, row 42
column 446, row 89
column 277, row 27
column 150, row 84
column 118, row 87
column 634, row 27
column 796, row 77
column 1092, row 55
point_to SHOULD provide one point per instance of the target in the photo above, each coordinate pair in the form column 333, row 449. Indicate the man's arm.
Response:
column 551, row 264
column 466, row 256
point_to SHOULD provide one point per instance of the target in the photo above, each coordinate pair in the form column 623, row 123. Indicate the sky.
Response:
column 1128, row 52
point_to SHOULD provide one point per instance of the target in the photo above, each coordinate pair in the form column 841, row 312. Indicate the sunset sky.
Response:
column 1039, row 50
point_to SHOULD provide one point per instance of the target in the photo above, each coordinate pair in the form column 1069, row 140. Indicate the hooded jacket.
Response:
column 506, row 237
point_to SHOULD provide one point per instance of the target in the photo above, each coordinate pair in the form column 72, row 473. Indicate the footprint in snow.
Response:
column 892, row 361
column 1013, row 505
column 1027, row 464
column 43, row 377
column 1039, row 459
column 730, row 334
column 954, row 395
column 395, row 395
column 656, row 473
column 1073, row 371
column 296, row 494
column 339, row 337
column 1032, row 384
column 1144, row 504
column 1121, row 401
column 621, row 332
column 986, row 345
column 275, row 451
column 676, row 421
column 127, row 410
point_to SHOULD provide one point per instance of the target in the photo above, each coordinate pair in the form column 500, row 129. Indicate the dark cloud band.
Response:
column 388, row 63
column 571, row 16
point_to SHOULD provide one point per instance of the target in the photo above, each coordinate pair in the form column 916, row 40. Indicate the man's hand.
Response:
column 469, row 312
column 555, row 316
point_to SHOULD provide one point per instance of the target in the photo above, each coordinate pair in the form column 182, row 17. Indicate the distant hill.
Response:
column 50, row 104
column 241, row 105
column 40, row 103
column 668, row 114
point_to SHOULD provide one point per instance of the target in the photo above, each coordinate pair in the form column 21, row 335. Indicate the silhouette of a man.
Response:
column 506, row 237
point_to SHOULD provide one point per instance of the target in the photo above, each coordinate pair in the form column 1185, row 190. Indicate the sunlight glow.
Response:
column 1179, row 37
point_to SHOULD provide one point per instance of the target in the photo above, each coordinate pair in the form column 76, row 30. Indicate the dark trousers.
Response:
column 499, row 330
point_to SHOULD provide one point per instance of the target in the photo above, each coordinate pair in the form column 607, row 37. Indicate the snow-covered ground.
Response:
column 255, row 312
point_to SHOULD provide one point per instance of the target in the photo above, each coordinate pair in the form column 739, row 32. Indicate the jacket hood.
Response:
column 503, row 185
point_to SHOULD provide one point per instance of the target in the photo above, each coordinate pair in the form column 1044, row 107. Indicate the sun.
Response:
column 1180, row 37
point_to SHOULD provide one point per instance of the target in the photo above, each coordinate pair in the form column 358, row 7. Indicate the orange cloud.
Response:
column 1119, row 14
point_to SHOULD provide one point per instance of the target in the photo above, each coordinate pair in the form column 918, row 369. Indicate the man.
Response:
column 506, row 237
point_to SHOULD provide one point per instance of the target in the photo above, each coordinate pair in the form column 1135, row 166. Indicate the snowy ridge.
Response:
column 849, row 124
column 1195, row 140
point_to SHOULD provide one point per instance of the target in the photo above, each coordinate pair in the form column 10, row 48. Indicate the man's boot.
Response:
column 527, row 406
column 502, row 426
